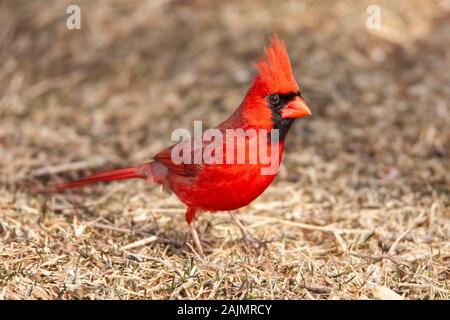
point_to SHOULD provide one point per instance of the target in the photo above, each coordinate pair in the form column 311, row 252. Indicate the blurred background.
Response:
column 115, row 89
column 374, row 155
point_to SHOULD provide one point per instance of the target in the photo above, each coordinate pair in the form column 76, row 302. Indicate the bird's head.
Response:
column 274, row 100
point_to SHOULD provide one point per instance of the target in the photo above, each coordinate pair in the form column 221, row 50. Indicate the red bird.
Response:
column 273, row 101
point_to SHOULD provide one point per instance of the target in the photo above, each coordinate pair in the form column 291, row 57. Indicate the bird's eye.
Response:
column 274, row 99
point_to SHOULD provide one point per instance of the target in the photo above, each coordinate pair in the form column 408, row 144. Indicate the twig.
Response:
column 97, row 161
column 340, row 241
column 108, row 227
column 394, row 245
column 317, row 288
column 377, row 258
column 140, row 242
column 418, row 285
column 327, row 229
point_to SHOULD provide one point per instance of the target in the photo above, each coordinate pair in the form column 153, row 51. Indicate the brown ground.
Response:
column 360, row 210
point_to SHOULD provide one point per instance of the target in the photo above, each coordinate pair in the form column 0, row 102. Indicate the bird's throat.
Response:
column 283, row 125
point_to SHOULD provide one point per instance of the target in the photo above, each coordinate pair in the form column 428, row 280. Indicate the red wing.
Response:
column 183, row 169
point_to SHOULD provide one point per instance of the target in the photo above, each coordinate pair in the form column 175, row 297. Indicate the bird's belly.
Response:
column 225, row 188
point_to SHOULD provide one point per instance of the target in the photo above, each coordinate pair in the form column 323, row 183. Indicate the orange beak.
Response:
column 296, row 108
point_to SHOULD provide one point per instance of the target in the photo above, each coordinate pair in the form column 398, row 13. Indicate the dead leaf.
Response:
column 384, row 293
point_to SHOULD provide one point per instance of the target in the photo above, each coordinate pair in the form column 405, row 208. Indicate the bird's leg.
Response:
column 190, row 218
column 196, row 239
column 246, row 235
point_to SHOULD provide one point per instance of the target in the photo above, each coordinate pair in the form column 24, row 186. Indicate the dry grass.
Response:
column 360, row 210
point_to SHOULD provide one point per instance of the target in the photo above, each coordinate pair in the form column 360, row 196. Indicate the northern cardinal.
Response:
column 273, row 101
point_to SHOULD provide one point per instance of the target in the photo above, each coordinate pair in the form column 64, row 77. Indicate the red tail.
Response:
column 111, row 175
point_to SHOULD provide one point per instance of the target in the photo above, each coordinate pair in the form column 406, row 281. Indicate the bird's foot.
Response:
column 251, row 242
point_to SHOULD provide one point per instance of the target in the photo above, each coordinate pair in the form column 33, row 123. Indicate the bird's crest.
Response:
column 275, row 71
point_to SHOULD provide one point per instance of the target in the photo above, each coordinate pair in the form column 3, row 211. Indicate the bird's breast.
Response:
column 229, row 186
